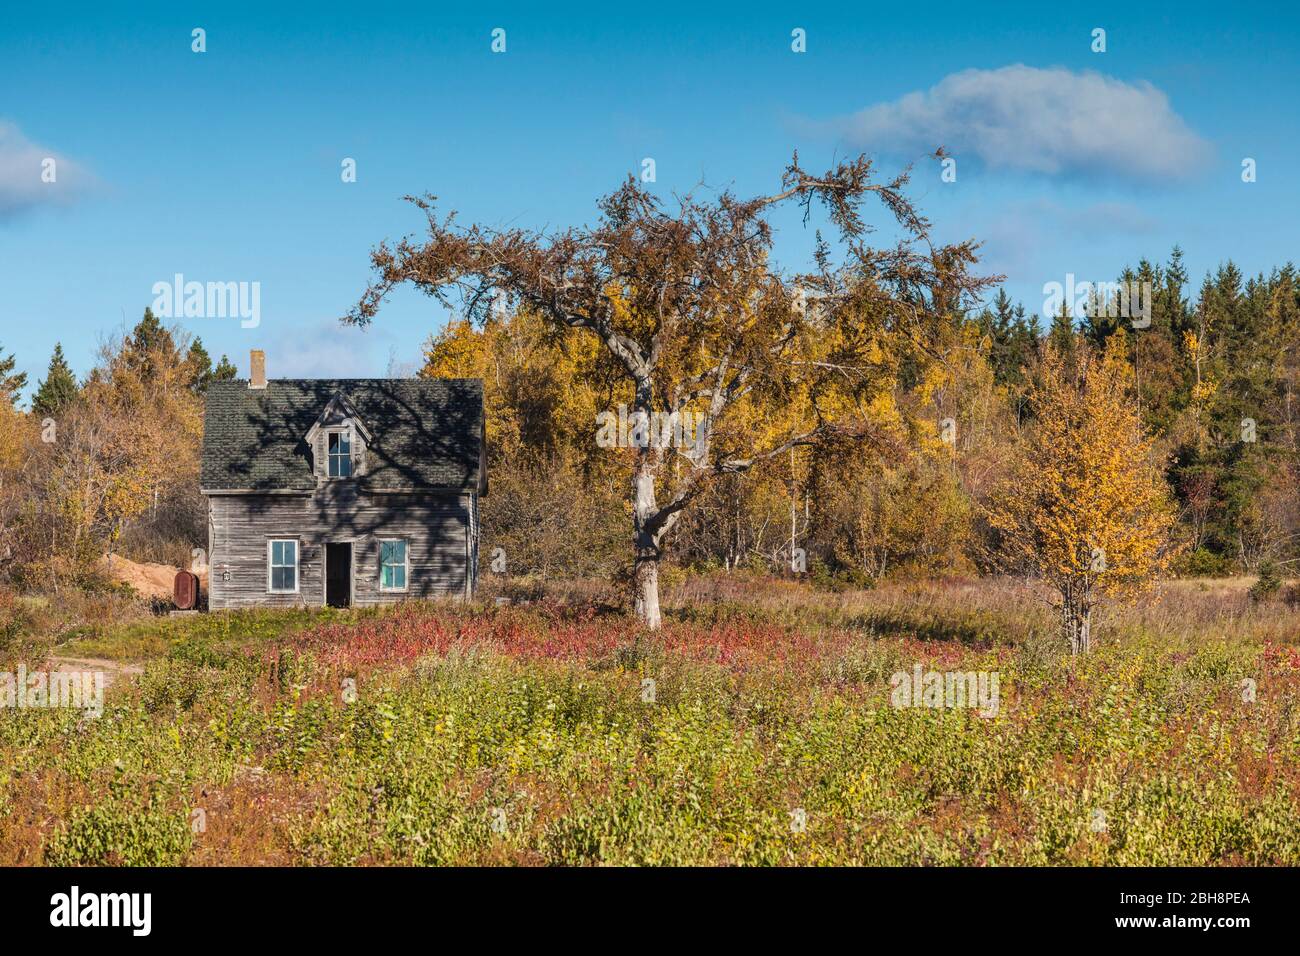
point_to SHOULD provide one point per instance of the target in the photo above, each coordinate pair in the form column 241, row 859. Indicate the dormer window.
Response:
column 340, row 455
column 337, row 441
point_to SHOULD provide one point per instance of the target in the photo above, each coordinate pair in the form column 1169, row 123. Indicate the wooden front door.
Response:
column 338, row 575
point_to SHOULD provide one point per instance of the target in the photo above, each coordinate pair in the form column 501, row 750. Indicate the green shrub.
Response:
column 1202, row 563
column 115, row 834
column 1269, row 581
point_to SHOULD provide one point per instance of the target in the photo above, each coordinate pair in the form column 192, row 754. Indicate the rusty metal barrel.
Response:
column 185, row 590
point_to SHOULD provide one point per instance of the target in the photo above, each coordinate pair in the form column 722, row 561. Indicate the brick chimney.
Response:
column 257, row 369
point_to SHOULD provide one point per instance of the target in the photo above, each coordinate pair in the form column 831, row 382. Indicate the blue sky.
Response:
column 225, row 165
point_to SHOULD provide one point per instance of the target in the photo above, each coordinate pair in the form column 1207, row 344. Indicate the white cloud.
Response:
column 1029, row 120
column 22, row 164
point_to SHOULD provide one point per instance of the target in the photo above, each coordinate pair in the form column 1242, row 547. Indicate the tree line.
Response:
column 924, row 407
column 106, row 464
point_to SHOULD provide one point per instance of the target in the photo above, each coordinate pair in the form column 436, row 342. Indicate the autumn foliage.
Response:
column 1086, row 506
column 692, row 316
column 113, row 465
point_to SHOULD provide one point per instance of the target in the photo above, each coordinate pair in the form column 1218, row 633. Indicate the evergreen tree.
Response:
column 59, row 387
column 1013, row 340
column 1169, row 296
column 1025, row 335
column 1062, row 333
column 11, row 382
column 150, row 348
column 150, row 334
column 200, row 367
column 225, row 370
column 202, row 374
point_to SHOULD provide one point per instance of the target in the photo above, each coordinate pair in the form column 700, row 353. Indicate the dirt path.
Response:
column 112, row 669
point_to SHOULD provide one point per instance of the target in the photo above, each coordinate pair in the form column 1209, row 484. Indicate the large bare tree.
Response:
column 699, row 321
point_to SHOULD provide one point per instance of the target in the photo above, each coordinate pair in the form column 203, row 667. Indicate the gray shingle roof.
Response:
column 427, row 433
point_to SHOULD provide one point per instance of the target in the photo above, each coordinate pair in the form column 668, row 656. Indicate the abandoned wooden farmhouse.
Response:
column 341, row 491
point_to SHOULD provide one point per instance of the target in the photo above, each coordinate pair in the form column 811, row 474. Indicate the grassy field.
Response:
column 760, row 726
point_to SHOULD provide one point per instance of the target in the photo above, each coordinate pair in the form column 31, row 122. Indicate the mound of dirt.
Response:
column 148, row 580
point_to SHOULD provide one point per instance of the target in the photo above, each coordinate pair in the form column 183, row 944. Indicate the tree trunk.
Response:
column 1076, row 618
column 645, row 582
column 645, row 543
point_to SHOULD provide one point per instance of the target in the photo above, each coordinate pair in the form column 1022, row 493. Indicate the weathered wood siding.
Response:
column 439, row 530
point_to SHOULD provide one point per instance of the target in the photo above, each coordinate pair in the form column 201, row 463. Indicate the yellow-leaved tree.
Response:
column 554, row 507
column 685, row 303
column 1086, row 506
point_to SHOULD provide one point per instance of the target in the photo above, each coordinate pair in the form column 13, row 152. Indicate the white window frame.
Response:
column 297, row 565
column 352, row 458
column 406, row 565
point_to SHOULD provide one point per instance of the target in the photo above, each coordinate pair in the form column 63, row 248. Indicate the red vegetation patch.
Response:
column 1281, row 657
column 552, row 632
